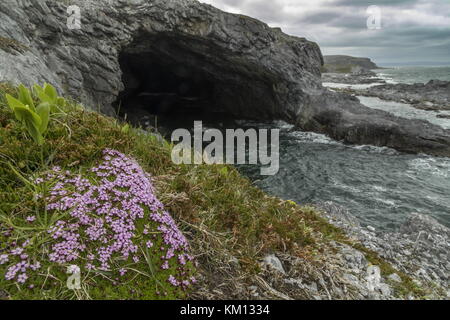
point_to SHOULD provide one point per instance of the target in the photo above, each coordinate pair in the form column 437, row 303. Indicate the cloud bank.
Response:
column 411, row 30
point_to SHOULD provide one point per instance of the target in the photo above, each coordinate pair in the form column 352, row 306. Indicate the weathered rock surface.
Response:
column 232, row 63
column 254, row 69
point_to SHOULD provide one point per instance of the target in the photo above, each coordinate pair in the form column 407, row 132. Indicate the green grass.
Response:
column 12, row 46
column 338, row 68
column 223, row 215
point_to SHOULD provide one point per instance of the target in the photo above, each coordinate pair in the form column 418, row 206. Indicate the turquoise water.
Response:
column 414, row 74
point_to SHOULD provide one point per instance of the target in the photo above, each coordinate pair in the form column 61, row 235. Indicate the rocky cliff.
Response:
column 250, row 68
column 233, row 63
column 347, row 64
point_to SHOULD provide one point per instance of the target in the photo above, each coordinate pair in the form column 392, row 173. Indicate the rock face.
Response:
column 182, row 54
column 244, row 66
column 347, row 64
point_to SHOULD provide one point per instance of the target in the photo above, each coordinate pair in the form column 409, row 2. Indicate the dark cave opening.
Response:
column 175, row 78
column 164, row 89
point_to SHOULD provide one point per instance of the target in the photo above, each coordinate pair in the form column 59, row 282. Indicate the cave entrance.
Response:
column 174, row 80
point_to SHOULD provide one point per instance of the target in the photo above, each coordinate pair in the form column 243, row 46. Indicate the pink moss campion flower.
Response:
column 103, row 215
column 165, row 265
column 173, row 281
column 22, row 278
column 31, row 218
column 122, row 272
column 89, row 266
column 4, row 258
column 26, row 243
column 17, row 251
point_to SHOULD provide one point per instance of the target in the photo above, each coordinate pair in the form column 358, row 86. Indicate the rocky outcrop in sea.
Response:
column 347, row 64
column 433, row 95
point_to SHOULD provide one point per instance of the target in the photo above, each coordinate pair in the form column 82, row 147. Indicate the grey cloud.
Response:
column 339, row 26
column 358, row 3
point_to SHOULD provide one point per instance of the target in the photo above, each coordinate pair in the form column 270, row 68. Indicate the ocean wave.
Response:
column 435, row 166
column 387, row 78
column 313, row 137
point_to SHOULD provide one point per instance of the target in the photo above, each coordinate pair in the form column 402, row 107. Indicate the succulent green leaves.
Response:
column 35, row 118
column 49, row 95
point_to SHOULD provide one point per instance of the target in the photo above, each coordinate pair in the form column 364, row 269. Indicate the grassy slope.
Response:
column 338, row 68
column 224, row 216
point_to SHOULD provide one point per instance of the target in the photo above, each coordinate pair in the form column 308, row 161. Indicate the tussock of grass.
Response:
column 12, row 46
column 230, row 223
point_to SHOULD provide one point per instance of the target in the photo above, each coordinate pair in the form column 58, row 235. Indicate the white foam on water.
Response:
column 387, row 202
column 386, row 78
column 332, row 85
column 312, row 137
column 379, row 188
column 283, row 125
column 375, row 149
column 435, row 166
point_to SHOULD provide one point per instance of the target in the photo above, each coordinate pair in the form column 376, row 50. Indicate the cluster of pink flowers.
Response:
column 112, row 218
column 105, row 212
column 18, row 270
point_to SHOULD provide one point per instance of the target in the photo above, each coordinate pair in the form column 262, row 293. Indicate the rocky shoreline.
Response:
column 419, row 248
column 361, row 77
column 432, row 96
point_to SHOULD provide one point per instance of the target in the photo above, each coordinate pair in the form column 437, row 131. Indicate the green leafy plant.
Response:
column 48, row 94
column 35, row 118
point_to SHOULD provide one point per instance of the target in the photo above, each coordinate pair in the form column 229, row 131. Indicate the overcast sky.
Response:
column 411, row 30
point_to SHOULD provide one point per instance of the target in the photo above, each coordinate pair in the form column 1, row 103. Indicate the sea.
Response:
column 381, row 187
column 414, row 74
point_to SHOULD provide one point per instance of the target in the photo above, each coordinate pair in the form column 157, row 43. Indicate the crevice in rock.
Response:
column 173, row 75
